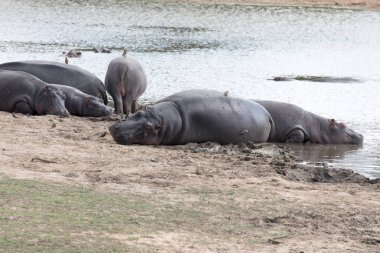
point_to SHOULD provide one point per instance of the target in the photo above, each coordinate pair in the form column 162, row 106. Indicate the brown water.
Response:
column 223, row 47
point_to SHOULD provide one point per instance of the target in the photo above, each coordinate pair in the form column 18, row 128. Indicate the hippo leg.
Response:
column 127, row 104
column 118, row 101
column 295, row 136
column 134, row 106
column 23, row 107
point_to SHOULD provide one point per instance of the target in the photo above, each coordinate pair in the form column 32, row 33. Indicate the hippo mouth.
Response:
column 119, row 135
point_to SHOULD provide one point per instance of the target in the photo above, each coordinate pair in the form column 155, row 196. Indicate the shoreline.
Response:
column 371, row 5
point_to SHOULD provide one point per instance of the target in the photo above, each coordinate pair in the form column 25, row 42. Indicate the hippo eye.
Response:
column 347, row 135
column 140, row 135
column 147, row 128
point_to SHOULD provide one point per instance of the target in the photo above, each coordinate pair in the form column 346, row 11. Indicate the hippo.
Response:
column 61, row 73
column 195, row 116
column 21, row 92
column 321, row 79
column 295, row 125
column 81, row 104
column 125, row 82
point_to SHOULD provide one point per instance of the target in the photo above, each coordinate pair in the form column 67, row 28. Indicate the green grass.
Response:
column 46, row 217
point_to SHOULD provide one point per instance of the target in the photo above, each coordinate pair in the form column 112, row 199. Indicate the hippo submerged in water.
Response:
column 21, row 92
column 196, row 116
column 60, row 73
column 125, row 82
column 295, row 125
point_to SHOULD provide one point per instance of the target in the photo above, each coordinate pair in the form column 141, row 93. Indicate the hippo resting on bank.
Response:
column 24, row 93
column 60, row 73
column 295, row 125
column 195, row 116
column 81, row 104
column 125, row 82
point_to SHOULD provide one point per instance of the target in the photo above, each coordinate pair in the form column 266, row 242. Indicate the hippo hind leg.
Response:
column 127, row 105
column 134, row 106
column 295, row 136
column 23, row 107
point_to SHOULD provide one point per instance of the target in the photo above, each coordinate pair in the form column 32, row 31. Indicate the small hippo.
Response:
column 81, row 104
column 125, row 81
column 63, row 74
column 295, row 125
column 21, row 92
column 195, row 116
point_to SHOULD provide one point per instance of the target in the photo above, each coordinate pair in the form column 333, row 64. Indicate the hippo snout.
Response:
column 360, row 139
column 119, row 135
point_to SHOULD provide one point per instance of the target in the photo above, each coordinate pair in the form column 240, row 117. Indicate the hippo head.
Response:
column 338, row 133
column 94, row 107
column 50, row 100
column 141, row 128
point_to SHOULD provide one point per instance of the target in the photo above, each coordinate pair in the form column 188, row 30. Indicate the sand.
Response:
column 326, row 210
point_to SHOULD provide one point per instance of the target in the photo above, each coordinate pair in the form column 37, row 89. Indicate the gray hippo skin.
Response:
column 295, row 125
column 125, row 82
column 24, row 93
column 195, row 116
column 81, row 104
column 60, row 73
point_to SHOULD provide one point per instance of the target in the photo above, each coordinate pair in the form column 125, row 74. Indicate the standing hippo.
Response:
column 81, row 104
column 24, row 93
column 125, row 82
column 60, row 73
column 196, row 116
column 295, row 125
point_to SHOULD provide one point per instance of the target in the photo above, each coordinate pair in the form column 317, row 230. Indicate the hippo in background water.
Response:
column 125, row 81
column 21, row 92
column 295, row 125
column 81, row 104
column 63, row 74
column 196, row 116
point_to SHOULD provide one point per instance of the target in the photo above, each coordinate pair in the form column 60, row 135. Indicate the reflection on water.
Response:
column 341, row 156
column 224, row 47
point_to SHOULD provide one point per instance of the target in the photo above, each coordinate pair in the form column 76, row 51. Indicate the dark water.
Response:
column 223, row 47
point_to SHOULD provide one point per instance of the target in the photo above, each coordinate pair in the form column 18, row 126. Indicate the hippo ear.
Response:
column 332, row 122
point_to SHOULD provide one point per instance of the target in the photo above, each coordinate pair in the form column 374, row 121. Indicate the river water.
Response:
column 224, row 47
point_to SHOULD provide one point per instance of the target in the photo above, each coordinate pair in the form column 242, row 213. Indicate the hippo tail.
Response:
column 104, row 96
column 272, row 130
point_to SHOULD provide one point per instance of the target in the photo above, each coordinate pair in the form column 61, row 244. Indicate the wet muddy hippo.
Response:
column 24, row 93
column 295, row 125
column 125, row 82
column 79, row 103
column 321, row 79
column 60, row 73
column 195, row 116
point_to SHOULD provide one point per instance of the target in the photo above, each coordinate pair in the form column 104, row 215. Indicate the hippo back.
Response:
column 211, row 116
column 59, row 73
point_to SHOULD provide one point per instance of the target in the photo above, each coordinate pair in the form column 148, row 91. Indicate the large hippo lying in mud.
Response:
column 125, row 82
column 60, row 73
column 81, row 104
column 295, row 125
column 24, row 93
column 195, row 116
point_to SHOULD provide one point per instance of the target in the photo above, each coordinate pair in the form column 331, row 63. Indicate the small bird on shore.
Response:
column 125, row 52
column 66, row 60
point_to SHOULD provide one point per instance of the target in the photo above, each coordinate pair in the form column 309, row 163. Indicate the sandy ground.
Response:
column 330, row 210
column 354, row 4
